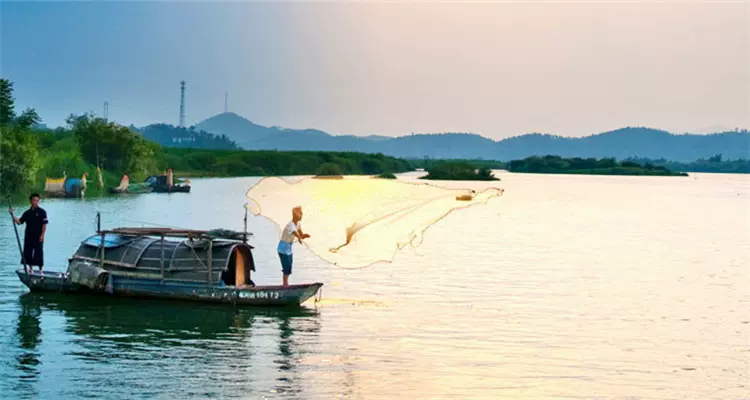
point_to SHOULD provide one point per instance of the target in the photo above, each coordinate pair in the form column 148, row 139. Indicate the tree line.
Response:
column 275, row 163
column 19, row 154
column 606, row 166
column 715, row 164
column 458, row 171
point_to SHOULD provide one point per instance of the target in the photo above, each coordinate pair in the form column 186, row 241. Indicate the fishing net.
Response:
column 358, row 221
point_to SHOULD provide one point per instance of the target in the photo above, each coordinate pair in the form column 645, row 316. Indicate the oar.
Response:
column 18, row 238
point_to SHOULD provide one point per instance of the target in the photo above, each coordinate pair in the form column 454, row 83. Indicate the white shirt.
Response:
column 287, row 234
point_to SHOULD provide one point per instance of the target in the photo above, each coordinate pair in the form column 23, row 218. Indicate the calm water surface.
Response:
column 567, row 287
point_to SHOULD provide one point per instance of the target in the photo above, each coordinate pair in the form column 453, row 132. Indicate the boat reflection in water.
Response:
column 29, row 334
column 152, row 347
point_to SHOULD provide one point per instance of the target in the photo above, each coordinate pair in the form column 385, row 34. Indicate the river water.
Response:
column 567, row 287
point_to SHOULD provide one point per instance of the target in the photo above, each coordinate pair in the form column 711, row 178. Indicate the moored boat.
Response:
column 165, row 183
column 65, row 187
column 163, row 263
column 126, row 187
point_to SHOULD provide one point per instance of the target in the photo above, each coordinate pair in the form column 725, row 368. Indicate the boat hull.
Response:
column 264, row 296
column 129, row 191
column 173, row 189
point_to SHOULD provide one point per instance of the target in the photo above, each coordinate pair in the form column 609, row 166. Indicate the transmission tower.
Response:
column 182, row 104
column 106, row 109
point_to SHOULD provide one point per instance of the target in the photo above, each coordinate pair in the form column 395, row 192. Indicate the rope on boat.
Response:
column 197, row 258
column 318, row 295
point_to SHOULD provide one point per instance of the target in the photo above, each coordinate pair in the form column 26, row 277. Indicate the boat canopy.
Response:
column 187, row 255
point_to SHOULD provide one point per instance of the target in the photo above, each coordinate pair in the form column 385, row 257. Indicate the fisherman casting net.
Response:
column 358, row 221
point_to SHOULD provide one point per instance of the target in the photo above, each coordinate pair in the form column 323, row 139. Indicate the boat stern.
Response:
column 45, row 281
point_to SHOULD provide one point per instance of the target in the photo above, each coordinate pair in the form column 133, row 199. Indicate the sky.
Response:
column 498, row 69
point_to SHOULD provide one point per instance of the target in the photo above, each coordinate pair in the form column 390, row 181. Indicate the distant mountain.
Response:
column 440, row 145
column 240, row 130
column 631, row 142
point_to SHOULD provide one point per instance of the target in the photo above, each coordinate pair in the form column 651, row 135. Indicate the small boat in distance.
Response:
column 130, row 188
column 163, row 263
column 65, row 187
column 165, row 183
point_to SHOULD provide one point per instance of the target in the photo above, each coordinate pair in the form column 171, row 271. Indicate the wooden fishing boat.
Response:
column 66, row 187
column 162, row 263
column 165, row 183
column 126, row 187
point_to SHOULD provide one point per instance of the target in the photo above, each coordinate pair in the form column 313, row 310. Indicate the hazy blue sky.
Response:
column 495, row 69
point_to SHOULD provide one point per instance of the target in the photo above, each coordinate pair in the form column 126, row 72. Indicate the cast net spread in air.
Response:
column 358, row 221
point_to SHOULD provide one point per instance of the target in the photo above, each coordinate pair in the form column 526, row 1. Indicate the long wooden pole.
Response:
column 101, row 249
column 18, row 238
column 210, row 261
column 161, row 259
column 244, row 233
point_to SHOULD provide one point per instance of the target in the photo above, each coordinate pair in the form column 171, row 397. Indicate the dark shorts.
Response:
column 33, row 254
column 286, row 263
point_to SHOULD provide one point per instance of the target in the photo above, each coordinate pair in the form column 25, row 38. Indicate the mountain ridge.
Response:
column 639, row 142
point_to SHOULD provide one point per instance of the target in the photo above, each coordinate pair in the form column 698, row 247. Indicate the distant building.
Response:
column 179, row 140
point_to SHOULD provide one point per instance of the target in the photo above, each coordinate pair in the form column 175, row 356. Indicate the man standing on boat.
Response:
column 36, row 221
column 291, row 232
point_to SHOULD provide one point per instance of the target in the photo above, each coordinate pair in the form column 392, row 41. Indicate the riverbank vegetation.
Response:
column 587, row 166
column 458, row 171
column 387, row 175
column 715, row 164
column 19, row 152
column 276, row 163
